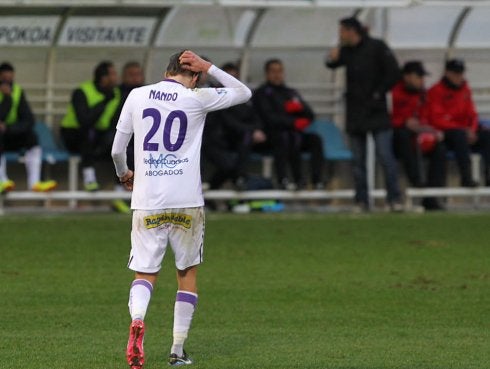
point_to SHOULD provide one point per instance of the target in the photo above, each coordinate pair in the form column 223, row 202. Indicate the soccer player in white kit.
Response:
column 167, row 120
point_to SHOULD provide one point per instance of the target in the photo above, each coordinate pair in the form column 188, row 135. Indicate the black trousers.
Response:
column 482, row 146
column 409, row 153
column 230, row 160
column 287, row 147
column 457, row 141
column 12, row 141
column 93, row 145
column 406, row 150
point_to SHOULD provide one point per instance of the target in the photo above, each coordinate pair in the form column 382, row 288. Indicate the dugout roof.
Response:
column 56, row 43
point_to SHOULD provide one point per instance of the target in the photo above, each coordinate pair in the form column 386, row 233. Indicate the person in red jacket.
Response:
column 451, row 110
column 413, row 137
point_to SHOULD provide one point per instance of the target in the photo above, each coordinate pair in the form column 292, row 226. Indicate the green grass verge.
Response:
column 276, row 291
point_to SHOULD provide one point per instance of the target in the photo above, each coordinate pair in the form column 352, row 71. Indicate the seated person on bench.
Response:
column 17, row 133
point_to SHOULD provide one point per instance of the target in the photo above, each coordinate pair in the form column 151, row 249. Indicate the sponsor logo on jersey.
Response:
column 221, row 91
column 163, row 96
column 161, row 172
column 168, row 161
column 157, row 220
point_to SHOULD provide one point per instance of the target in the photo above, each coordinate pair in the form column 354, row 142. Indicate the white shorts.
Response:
column 154, row 229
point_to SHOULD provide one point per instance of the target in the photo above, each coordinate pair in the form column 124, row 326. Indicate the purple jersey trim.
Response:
column 143, row 282
column 186, row 297
column 171, row 80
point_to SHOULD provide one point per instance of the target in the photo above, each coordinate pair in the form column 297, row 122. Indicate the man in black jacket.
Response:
column 286, row 116
column 229, row 135
column 372, row 70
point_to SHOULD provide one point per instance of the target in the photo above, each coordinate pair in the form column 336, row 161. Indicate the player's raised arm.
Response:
column 233, row 92
column 230, row 82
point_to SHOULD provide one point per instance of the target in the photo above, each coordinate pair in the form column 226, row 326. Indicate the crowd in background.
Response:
column 421, row 123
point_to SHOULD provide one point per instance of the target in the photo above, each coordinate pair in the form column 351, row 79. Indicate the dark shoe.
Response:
column 432, row 204
column 469, row 183
column 300, row 186
column 320, row 186
column 397, row 207
column 287, row 185
column 175, row 360
column 241, row 184
column 361, row 207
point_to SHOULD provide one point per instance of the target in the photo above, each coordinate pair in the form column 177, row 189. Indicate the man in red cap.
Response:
column 413, row 138
column 451, row 110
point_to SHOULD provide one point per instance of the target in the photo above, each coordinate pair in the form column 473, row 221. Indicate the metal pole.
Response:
column 370, row 168
column 51, row 67
column 458, row 24
column 245, row 59
column 151, row 45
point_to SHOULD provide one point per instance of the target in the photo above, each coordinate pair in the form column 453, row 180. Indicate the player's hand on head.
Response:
column 194, row 62
column 127, row 180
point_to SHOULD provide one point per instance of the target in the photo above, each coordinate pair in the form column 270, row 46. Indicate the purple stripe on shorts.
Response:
column 186, row 297
column 143, row 282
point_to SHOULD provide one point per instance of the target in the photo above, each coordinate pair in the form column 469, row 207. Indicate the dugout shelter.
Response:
column 55, row 44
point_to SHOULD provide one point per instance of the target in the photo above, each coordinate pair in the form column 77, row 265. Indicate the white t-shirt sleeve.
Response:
column 119, row 146
column 234, row 92
column 122, row 137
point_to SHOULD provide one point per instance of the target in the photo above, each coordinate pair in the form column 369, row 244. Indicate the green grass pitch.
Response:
column 276, row 291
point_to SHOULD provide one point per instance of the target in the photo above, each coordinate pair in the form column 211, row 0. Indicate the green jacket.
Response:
column 93, row 97
column 13, row 114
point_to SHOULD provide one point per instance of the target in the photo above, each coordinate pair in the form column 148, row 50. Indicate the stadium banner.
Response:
column 28, row 30
column 107, row 31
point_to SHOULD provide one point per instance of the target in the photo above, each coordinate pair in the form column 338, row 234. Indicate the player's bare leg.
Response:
column 187, row 279
column 185, row 304
column 139, row 298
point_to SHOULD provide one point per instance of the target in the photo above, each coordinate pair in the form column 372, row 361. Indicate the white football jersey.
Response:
column 167, row 120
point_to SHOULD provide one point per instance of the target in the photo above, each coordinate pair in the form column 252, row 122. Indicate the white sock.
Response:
column 139, row 298
column 185, row 304
column 89, row 175
column 33, row 158
column 3, row 169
